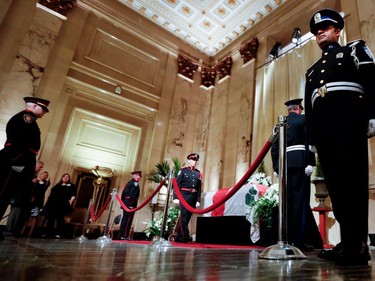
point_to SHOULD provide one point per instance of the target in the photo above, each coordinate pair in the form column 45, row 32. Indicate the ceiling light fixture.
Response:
column 275, row 50
column 296, row 35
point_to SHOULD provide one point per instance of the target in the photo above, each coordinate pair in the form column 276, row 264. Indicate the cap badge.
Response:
column 317, row 18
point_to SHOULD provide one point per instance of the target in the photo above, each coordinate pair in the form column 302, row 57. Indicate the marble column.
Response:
column 13, row 28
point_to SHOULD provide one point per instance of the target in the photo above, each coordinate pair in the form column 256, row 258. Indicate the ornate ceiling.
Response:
column 208, row 25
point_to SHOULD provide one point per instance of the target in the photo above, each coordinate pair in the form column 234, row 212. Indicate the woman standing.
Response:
column 59, row 204
column 37, row 200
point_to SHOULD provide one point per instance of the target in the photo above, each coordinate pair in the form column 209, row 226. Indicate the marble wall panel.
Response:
column 124, row 58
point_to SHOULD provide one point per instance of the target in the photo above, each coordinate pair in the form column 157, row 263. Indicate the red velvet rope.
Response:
column 92, row 211
column 232, row 191
column 144, row 203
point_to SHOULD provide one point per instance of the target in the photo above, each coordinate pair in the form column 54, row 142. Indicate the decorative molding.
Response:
column 224, row 67
column 249, row 50
column 208, row 76
column 186, row 67
column 59, row 6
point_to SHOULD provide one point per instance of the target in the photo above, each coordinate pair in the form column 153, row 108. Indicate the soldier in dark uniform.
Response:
column 340, row 113
column 18, row 157
column 302, row 230
column 189, row 180
column 129, row 197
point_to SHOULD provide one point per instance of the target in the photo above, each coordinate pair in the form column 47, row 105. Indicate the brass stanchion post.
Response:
column 162, row 243
column 105, row 238
column 282, row 250
column 83, row 237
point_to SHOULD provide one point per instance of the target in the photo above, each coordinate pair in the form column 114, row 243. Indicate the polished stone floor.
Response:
column 33, row 259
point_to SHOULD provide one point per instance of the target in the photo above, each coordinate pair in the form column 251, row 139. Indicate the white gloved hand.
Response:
column 197, row 204
column 371, row 128
column 312, row 148
column 309, row 170
column 176, row 201
column 276, row 175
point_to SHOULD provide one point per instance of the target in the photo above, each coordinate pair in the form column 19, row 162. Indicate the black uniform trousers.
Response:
column 126, row 223
column 344, row 160
column 12, row 182
column 183, row 233
column 301, row 227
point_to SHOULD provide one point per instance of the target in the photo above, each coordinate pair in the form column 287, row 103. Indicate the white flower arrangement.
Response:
column 260, row 178
column 260, row 208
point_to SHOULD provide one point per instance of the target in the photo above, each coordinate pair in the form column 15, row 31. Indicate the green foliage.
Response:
column 154, row 226
column 162, row 169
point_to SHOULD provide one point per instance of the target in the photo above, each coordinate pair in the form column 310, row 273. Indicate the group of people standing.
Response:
column 340, row 117
column 23, row 184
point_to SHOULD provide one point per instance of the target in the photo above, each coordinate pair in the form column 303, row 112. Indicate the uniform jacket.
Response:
column 23, row 140
column 339, row 91
column 298, row 154
column 190, row 178
column 130, row 194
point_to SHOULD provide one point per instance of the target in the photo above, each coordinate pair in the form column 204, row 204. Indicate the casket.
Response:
column 228, row 224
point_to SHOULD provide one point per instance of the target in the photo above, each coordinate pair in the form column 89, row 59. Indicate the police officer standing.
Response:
column 18, row 157
column 189, row 181
column 340, row 113
column 302, row 230
column 129, row 197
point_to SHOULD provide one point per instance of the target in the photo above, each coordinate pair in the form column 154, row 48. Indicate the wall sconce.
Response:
column 275, row 50
column 296, row 36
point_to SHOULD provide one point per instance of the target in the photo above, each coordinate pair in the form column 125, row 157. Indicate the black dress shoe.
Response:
column 331, row 254
column 353, row 258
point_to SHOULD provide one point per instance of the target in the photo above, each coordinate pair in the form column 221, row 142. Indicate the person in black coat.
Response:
column 189, row 181
column 129, row 197
column 340, row 117
column 59, row 204
column 302, row 230
column 18, row 157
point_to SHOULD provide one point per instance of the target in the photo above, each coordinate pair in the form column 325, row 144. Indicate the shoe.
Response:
column 57, row 236
column 348, row 258
column 124, row 238
column 331, row 254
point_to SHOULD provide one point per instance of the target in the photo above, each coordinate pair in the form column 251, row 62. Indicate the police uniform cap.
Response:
column 294, row 102
column 193, row 156
column 137, row 173
column 324, row 18
column 41, row 102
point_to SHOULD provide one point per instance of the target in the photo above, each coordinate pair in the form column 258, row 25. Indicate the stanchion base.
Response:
column 82, row 238
column 282, row 251
column 161, row 243
column 104, row 239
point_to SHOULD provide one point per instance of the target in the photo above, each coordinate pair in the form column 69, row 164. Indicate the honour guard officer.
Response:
column 340, row 116
column 129, row 197
column 18, row 157
column 189, row 181
column 302, row 230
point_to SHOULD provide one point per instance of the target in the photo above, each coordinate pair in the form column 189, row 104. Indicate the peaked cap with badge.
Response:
column 324, row 18
column 41, row 102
